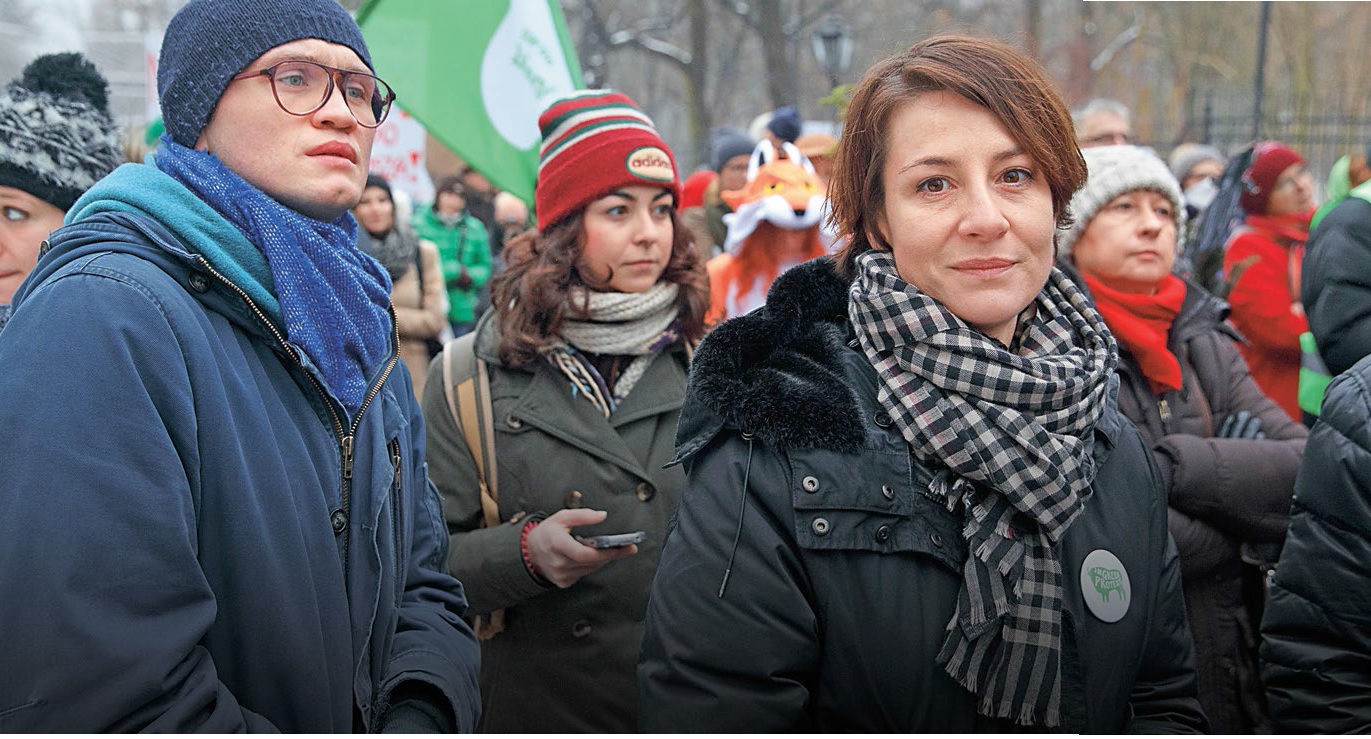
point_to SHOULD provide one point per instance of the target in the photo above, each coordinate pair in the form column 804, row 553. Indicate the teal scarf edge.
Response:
column 145, row 190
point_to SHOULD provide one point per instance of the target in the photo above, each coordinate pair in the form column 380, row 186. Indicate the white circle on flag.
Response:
column 522, row 71
column 1105, row 586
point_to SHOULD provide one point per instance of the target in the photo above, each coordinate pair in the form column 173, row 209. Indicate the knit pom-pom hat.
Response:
column 1111, row 172
column 56, row 134
column 595, row 141
column 1269, row 159
column 208, row 42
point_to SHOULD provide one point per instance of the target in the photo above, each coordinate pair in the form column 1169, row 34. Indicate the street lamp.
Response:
column 833, row 47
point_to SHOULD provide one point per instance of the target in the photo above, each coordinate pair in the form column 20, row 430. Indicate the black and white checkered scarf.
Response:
column 1013, row 431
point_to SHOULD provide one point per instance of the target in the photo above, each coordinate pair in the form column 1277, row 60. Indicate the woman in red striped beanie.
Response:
column 587, row 352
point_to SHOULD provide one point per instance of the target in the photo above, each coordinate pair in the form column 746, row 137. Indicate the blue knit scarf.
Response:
column 334, row 299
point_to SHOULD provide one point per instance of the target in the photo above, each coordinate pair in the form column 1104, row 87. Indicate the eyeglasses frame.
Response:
column 334, row 72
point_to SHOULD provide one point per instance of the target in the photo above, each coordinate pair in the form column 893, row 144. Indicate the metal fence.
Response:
column 1226, row 121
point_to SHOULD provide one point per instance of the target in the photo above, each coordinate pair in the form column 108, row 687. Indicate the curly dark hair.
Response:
column 531, row 296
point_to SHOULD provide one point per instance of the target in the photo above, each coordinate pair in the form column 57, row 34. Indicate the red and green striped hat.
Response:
column 593, row 142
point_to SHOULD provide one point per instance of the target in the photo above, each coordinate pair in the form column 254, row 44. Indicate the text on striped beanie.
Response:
column 595, row 141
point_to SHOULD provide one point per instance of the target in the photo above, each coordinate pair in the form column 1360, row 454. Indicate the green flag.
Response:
column 476, row 73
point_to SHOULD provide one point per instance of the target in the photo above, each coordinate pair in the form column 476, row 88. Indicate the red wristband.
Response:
column 523, row 552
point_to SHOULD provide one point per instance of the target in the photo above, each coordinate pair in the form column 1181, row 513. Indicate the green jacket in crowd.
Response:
column 464, row 246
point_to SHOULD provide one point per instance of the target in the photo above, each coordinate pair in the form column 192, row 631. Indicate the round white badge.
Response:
column 1105, row 586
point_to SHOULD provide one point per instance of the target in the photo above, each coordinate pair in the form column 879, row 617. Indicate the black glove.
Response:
column 1241, row 425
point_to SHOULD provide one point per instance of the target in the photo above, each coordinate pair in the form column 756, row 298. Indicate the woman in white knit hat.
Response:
column 1227, row 453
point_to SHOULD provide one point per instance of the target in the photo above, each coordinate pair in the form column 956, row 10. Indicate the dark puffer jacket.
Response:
column 807, row 582
column 1335, row 284
column 1316, row 636
column 1223, row 494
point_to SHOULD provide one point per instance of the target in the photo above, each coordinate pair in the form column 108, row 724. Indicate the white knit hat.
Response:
column 1111, row 172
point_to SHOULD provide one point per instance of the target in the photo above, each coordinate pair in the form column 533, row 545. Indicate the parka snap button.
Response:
column 339, row 521
column 810, row 483
column 820, row 526
column 513, row 422
column 198, row 283
column 888, row 492
column 883, row 420
column 572, row 499
column 936, row 538
column 580, row 629
column 646, row 491
column 883, row 534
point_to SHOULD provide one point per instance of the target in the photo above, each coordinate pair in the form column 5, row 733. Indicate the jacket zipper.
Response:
column 346, row 436
column 396, row 491
column 1164, row 409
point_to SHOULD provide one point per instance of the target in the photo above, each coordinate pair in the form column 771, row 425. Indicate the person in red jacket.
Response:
column 1262, row 262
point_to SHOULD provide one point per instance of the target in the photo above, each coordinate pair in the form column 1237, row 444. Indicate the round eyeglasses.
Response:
column 302, row 87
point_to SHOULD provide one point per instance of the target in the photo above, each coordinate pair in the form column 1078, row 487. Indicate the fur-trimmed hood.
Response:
column 779, row 372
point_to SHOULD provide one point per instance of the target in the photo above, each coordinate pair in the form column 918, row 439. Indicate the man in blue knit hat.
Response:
column 215, row 514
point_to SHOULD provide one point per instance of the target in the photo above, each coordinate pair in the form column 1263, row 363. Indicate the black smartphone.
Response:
column 609, row 541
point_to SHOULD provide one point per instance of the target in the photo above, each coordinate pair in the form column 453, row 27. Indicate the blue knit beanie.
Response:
column 208, row 42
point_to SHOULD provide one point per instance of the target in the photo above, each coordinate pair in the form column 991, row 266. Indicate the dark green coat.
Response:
column 842, row 576
column 565, row 662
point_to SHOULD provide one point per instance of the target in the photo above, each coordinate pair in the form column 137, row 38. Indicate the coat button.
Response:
column 646, row 491
column 936, row 538
column 883, row 534
column 888, row 492
column 820, row 526
column 883, row 420
column 580, row 629
column 513, row 422
column 572, row 499
column 810, row 483
column 198, row 283
column 339, row 521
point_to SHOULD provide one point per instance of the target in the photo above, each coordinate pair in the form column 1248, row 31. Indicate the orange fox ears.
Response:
column 787, row 172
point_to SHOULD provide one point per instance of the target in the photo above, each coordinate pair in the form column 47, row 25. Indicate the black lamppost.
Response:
column 833, row 48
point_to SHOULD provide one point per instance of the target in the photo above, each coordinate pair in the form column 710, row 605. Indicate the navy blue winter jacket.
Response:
column 193, row 537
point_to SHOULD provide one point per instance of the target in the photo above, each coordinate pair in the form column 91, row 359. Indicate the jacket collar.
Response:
column 545, row 401
column 778, row 372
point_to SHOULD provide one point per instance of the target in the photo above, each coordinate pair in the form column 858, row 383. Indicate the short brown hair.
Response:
column 989, row 73
column 531, row 296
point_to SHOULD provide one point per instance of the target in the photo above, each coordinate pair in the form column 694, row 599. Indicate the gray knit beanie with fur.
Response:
column 1111, row 172
column 56, row 134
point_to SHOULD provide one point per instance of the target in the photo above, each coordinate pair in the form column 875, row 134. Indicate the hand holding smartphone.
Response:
column 610, row 541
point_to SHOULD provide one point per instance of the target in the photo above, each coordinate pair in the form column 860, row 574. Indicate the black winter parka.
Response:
column 1316, row 635
column 807, row 583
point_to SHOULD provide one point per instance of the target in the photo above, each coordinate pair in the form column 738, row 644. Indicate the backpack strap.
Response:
column 466, row 386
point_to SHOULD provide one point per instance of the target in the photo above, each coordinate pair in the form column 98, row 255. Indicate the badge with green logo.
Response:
column 1105, row 586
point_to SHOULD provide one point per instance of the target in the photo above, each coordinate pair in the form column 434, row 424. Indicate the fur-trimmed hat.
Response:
column 56, row 134
column 1111, row 172
column 209, row 42
column 595, row 141
column 1269, row 159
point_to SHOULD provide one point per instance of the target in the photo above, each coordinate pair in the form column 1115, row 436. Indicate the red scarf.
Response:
column 1290, row 231
column 1142, row 323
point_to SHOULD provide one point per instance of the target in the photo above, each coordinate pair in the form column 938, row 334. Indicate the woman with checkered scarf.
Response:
column 912, row 504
